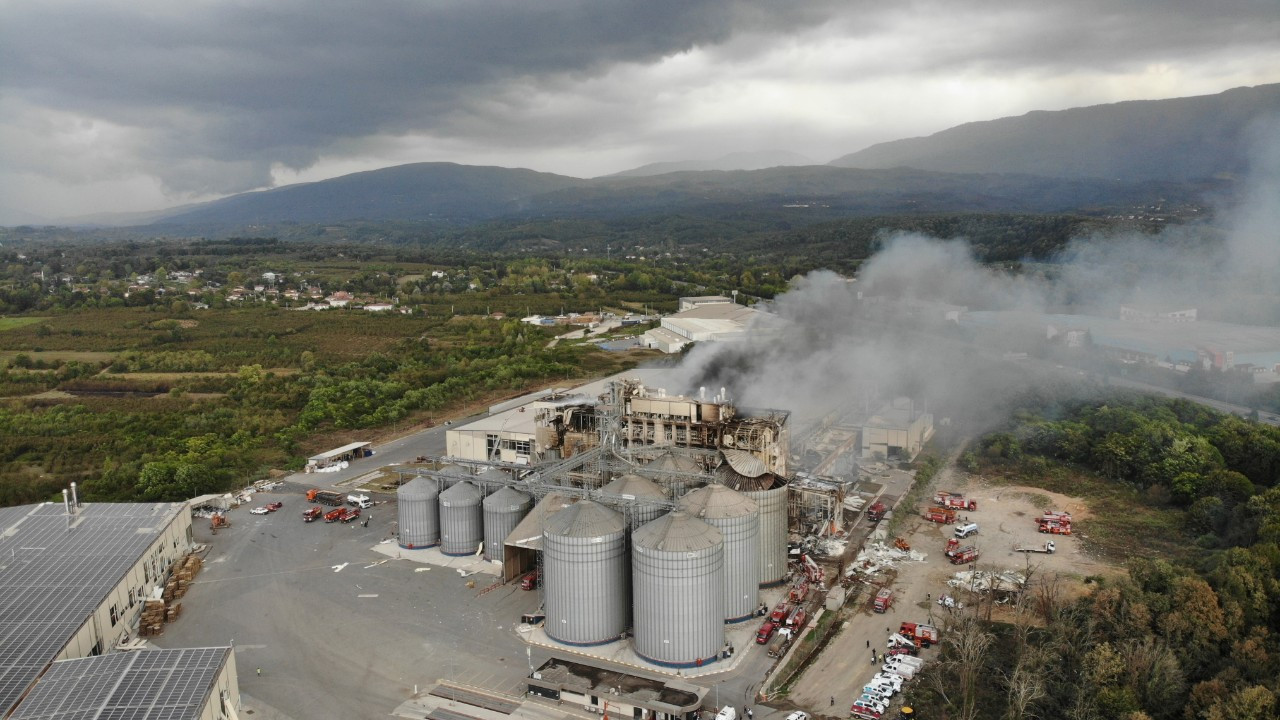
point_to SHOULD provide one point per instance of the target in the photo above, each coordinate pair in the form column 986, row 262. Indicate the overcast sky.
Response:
column 122, row 106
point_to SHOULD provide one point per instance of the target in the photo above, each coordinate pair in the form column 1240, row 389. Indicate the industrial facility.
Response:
column 647, row 519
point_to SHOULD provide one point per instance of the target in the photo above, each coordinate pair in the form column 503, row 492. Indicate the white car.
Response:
column 798, row 715
column 869, row 704
column 883, row 692
column 261, row 510
column 888, row 678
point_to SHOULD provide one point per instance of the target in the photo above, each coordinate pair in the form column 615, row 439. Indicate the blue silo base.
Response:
column 774, row 584
column 461, row 554
column 585, row 644
column 419, row 547
column 744, row 618
column 682, row 666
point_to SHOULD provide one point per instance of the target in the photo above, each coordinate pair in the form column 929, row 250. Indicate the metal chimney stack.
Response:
column 66, row 502
column 75, row 501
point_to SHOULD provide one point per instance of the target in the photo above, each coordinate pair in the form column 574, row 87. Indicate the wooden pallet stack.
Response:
column 184, row 572
column 151, row 623
column 172, row 612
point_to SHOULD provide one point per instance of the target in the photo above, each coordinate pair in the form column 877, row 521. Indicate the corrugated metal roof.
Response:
column 418, row 488
column 464, row 493
column 674, row 462
column 717, row 501
column 677, row 532
column 726, row 475
column 634, row 486
column 744, row 463
column 507, row 498
column 584, row 519
column 528, row 534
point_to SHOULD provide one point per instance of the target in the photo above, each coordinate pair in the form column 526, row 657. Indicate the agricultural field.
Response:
column 142, row 403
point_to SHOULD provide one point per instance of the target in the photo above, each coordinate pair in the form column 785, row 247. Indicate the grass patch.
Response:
column 51, row 356
column 9, row 323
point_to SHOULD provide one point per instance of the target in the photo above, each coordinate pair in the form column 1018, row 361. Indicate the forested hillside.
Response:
column 1193, row 639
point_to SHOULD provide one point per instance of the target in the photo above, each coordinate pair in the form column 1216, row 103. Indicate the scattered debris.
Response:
column 338, row 568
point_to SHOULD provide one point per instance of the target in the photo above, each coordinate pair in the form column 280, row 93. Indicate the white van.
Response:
column 728, row 712
column 965, row 531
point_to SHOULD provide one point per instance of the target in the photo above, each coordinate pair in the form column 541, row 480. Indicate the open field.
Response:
column 9, row 323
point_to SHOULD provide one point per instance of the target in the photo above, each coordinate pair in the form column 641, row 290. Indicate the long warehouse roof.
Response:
column 55, row 570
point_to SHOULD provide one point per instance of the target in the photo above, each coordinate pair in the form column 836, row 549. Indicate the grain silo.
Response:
column 451, row 475
column 677, row 564
column 503, row 510
column 638, row 499
column 737, row 517
column 419, row 514
column 585, row 579
column 461, row 524
column 677, row 472
column 745, row 473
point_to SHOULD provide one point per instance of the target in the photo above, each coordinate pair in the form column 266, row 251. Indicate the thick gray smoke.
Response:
column 828, row 349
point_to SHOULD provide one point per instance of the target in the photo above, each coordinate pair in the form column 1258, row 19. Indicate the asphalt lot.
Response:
column 351, row 643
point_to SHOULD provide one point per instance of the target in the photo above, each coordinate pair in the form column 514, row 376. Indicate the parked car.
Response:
column 727, row 713
column 274, row 506
column 262, row 510
column 798, row 715
column 766, row 632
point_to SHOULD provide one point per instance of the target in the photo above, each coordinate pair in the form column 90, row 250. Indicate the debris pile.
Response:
column 877, row 556
column 982, row 581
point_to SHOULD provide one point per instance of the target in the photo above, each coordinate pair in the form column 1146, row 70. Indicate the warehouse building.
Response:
column 182, row 684
column 897, row 430
column 708, row 322
column 614, row 693
column 74, row 579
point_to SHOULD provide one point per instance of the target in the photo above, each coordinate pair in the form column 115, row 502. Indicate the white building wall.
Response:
column 127, row 596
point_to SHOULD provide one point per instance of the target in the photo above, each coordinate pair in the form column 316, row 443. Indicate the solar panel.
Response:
column 141, row 685
column 56, row 570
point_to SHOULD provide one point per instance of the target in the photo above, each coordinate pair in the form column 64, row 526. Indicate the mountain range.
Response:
column 1070, row 160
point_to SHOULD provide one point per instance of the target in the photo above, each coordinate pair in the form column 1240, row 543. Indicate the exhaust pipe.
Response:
column 75, row 502
column 66, row 502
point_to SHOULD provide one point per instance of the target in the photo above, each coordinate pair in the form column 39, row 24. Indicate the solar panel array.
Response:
column 142, row 685
column 56, row 570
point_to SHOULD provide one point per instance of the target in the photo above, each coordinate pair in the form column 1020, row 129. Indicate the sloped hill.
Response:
column 421, row 191
column 1180, row 139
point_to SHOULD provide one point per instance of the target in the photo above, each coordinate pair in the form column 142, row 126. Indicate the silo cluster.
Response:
column 678, row 574
column 586, row 582
column 419, row 514
column 769, row 492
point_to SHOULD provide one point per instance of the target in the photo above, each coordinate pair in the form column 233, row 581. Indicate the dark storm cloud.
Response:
column 246, row 84
column 208, row 95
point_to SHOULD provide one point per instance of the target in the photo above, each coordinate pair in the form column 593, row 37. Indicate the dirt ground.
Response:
column 1006, row 517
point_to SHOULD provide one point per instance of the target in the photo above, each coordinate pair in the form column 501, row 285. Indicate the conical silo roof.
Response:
column 464, row 493
column 675, row 462
column 507, row 498
column 677, row 532
column 418, row 488
column 634, row 486
column 584, row 519
column 717, row 502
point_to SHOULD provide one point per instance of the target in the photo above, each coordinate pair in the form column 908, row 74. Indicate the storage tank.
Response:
column 419, row 514
column 585, row 579
column 769, row 491
column 677, row 566
column 452, row 475
column 627, row 493
column 503, row 510
column 737, row 517
column 461, row 524
column 677, row 471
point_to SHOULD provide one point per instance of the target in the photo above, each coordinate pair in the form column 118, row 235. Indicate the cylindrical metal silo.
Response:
column 638, row 499
column 677, row 472
column 585, row 578
column 419, row 514
column 737, row 517
column 677, row 564
column 461, row 524
column 503, row 510
column 452, row 475
column 770, row 493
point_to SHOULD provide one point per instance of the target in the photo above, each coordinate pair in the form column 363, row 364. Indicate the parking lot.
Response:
column 338, row 629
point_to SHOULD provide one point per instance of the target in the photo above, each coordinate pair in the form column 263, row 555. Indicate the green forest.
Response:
column 1196, row 637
